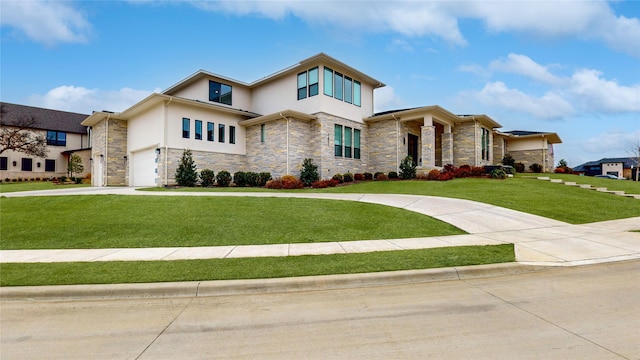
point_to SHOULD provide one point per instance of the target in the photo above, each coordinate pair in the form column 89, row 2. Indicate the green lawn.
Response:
column 37, row 185
column 523, row 193
column 249, row 268
column 110, row 221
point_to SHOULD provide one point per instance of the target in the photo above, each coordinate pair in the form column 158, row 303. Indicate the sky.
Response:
column 570, row 67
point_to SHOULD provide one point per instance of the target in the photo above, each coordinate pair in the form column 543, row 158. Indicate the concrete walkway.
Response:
column 538, row 240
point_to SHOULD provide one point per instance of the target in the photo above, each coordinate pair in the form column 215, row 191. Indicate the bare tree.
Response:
column 635, row 155
column 18, row 136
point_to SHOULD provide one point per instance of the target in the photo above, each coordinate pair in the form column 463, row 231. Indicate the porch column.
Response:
column 447, row 146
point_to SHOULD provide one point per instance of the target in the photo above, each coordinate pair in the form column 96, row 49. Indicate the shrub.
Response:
column 463, row 171
column 407, row 168
column 536, row 168
column 309, row 172
column 368, row 176
column 519, row 167
column 559, row 170
column 223, row 178
column 393, row 175
column 477, row 171
column 252, row 178
column 382, row 177
column 207, row 178
column 348, row 177
column 14, row 180
column 445, row 176
column 434, row 175
column 186, row 174
column 449, row 168
column 339, row 178
column 422, row 176
column 498, row 174
column 358, row 177
column 508, row 160
column 7, row 180
column 375, row 175
column 291, row 183
column 263, row 177
column 321, row 184
column 61, row 179
column 274, row 184
column 240, row 179
column 78, row 180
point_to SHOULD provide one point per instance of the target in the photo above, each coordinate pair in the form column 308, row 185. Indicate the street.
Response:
column 589, row 312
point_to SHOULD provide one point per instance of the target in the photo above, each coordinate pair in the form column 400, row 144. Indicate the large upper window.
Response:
column 56, row 138
column 185, row 127
column 198, row 129
column 342, row 87
column 308, row 83
column 220, row 93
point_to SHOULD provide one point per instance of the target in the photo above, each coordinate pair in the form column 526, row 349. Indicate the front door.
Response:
column 412, row 148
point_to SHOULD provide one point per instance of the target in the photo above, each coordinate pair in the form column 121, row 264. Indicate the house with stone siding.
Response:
column 319, row 108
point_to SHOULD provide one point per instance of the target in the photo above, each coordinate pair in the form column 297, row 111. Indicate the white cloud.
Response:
column 596, row 93
column 47, row 22
column 548, row 106
column 83, row 100
column 613, row 142
column 386, row 99
column 523, row 65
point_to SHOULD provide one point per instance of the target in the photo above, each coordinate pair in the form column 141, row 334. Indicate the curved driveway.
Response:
column 538, row 240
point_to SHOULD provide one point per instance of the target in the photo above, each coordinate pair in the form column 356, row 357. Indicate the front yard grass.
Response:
column 30, row 274
column 6, row 187
column 114, row 221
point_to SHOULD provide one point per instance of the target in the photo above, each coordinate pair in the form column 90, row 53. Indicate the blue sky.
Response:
column 571, row 67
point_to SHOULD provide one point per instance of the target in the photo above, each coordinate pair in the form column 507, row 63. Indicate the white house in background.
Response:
column 65, row 136
column 319, row 108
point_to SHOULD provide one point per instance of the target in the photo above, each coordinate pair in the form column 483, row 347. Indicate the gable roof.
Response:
column 442, row 113
column 47, row 119
column 552, row 137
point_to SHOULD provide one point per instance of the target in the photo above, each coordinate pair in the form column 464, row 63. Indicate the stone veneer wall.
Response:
column 529, row 157
column 383, row 141
column 499, row 150
column 464, row 147
column 114, row 166
column 329, row 164
column 203, row 160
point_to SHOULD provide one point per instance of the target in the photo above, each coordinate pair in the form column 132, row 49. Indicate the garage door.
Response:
column 144, row 168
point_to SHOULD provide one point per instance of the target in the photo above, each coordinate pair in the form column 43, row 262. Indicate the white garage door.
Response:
column 144, row 168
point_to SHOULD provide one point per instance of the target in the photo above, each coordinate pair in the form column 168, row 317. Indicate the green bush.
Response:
column 393, row 175
column 240, row 179
column 519, row 167
column 376, row 174
column 508, row 160
column 339, row 178
column 223, row 178
column 207, row 178
column 263, row 177
column 348, row 177
column 407, row 168
column 309, row 172
column 536, row 168
column 186, row 174
column 498, row 174
column 368, row 176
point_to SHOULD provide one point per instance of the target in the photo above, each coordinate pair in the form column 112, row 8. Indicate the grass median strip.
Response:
column 35, row 274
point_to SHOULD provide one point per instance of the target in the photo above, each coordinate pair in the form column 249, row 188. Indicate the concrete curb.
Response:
column 257, row 286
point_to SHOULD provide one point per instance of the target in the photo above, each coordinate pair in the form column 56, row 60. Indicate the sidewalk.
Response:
column 538, row 240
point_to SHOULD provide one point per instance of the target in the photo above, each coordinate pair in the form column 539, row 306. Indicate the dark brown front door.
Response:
column 412, row 148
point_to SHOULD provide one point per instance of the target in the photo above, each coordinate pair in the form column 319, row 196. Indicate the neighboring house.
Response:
column 530, row 147
column 65, row 136
column 623, row 167
column 319, row 108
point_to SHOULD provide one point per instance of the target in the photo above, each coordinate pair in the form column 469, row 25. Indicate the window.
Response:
column 220, row 93
column 49, row 165
column 210, row 132
column 232, row 134
column 356, row 144
column 308, row 83
column 262, row 133
column 485, row 144
column 328, row 81
column 347, row 142
column 185, row 128
column 313, row 82
column 337, row 86
column 198, row 129
column 302, row 85
column 356, row 93
column 56, row 138
column 4, row 163
column 221, row 133
column 27, row 164
column 348, row 89
column 337, row 140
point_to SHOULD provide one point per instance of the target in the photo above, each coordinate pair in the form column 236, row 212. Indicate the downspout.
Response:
column 105, row 170
column 287, row 120
column 166, row 149
column 397, row 142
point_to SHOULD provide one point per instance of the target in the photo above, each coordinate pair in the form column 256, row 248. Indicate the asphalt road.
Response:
column 590, row 312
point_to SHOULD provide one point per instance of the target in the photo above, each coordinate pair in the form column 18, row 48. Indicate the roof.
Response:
column 309, row 62
column 552, row 137
column 47, row 119
column 440, row 112
column 627, row 163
